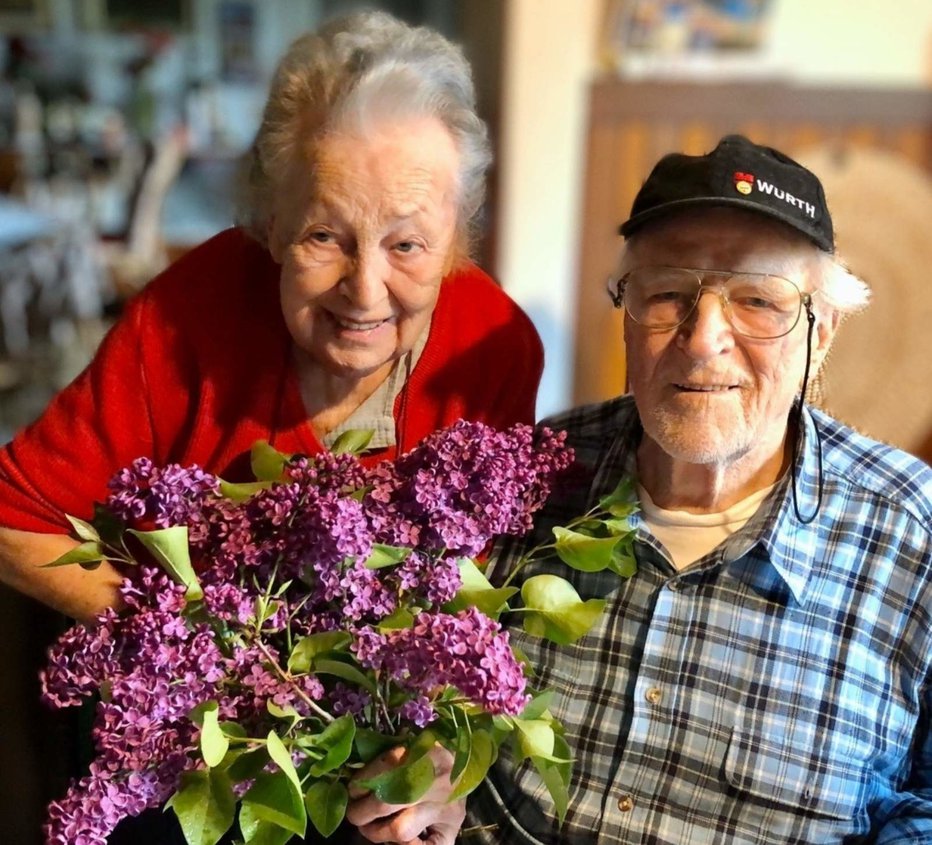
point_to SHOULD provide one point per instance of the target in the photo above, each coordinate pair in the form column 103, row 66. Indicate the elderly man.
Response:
column 764, row 677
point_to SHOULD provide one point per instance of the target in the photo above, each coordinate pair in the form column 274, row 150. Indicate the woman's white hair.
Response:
column 350, row 73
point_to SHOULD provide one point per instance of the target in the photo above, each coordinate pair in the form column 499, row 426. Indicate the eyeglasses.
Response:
column 756, row 305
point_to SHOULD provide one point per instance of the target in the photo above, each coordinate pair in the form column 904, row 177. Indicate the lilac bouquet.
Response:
column 278, row 635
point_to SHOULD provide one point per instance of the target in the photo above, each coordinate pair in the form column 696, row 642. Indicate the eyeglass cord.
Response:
column 800, row 428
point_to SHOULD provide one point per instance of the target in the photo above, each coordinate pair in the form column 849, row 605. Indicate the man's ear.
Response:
column 827, row 322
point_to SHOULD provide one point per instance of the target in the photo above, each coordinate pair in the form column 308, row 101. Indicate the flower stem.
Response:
column 313, row 705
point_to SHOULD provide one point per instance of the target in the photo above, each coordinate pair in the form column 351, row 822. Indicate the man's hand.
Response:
column 432, row 819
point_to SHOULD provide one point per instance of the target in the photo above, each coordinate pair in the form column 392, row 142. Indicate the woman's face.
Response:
column 364, row 235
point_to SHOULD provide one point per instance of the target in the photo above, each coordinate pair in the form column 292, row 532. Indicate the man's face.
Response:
column 705, row 394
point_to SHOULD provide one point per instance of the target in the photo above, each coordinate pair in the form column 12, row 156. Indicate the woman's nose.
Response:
column 707, row 331
column 365, row 282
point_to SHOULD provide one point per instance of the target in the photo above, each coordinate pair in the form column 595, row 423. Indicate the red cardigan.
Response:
column 200, row 367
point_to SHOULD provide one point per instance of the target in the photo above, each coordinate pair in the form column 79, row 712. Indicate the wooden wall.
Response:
column 632, row 124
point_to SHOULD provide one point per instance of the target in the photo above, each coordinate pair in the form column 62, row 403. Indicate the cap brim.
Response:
column 634, row 223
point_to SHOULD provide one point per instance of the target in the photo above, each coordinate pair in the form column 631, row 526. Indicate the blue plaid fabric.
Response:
column 776, row 691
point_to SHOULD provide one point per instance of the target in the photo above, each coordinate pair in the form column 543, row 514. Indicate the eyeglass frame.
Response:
column 616, row 292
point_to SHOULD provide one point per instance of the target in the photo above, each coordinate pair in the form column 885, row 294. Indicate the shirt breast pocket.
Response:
column 773, row 770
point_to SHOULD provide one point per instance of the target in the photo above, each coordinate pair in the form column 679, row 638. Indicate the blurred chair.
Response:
column 142, row 254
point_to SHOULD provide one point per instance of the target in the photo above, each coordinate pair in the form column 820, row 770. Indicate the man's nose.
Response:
column 707, row 330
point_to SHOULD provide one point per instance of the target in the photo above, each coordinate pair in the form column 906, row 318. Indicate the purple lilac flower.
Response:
column 168, row 495
column 346, row 699
column 463, row 485
column 156, row 669
column 418, row 710
column 369, row 596
column 94, row 805
column 468, row 651
column 156, row 661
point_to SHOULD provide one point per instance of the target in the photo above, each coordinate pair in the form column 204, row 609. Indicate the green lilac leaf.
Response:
column 482, row 753
column 477, row 591
column 623, row 500
column 582, row 552
column 369, row 744
column 346, row 672
column 243, row 491
column 624, row 563
column 233, row 730
column 83, row 530
column 88, row 554
column 537, row 706
column 422, row 745
column 383, row 556
column 326, row 805
column 258, row 830
column 268, row 464
column 282, row 758
column 555, row 611
column 274, row 798
column 556, row 786
column 214, row 744
column 307, row 648
column 352, row 441
column 562, row 756
column 248, row 765
column 617, row 527
column 205, row 806
column 337, row 741
column 535, row 738
column 169, row 547
column 401, row 618
column 460, row 749
column 403, row 784
column 287, row 713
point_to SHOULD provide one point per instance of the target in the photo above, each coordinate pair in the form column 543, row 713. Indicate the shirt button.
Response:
column 626, row 803
column 673, row 586
column 653, row 695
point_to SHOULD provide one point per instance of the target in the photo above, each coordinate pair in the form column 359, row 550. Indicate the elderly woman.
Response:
column 345, row 300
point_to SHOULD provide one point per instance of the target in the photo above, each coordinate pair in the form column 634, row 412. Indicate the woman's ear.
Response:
column 273, row 240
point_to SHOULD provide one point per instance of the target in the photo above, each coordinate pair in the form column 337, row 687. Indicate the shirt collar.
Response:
column 790, row 546
column 377, row 411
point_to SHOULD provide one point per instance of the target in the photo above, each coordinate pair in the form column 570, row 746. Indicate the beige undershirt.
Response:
column 688, row 536
column 376, row 413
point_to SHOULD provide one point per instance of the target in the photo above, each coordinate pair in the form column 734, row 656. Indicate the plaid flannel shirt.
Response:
column 775, row 691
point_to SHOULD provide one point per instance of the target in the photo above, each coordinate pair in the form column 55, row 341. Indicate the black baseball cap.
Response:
column 738, row 174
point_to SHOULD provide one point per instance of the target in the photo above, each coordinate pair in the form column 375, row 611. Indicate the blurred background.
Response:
column 121, row 123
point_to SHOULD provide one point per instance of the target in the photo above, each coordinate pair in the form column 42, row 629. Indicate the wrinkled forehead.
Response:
column 720, row 239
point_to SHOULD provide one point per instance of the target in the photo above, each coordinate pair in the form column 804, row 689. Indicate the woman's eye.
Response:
column 321, row 236
column 406, row 247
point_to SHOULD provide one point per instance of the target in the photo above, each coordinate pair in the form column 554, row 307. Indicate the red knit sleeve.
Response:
column 101, row 421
